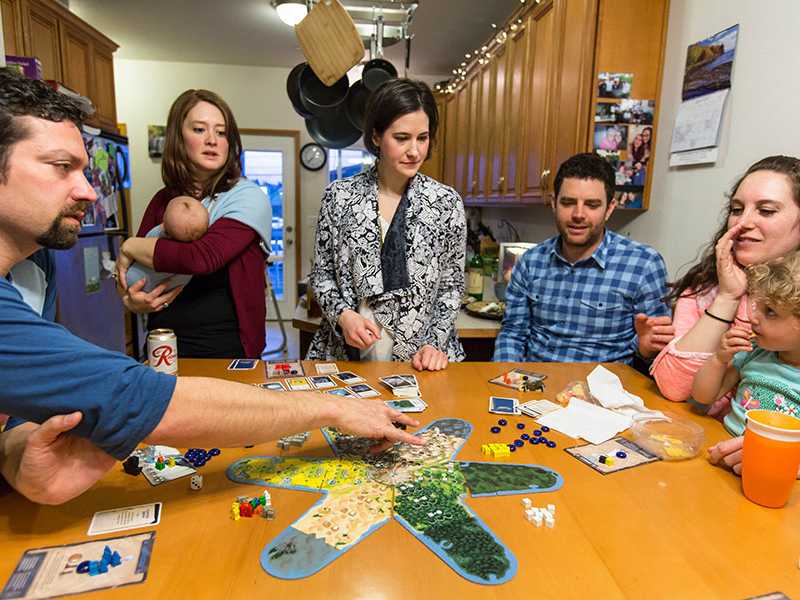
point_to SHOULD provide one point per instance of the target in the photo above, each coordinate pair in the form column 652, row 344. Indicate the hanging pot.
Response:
column 316, row 97
column 376, row 72
column 293, row 90
column 332, row 129
column 356, row 104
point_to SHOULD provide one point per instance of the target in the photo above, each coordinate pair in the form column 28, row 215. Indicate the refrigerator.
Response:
column 88, row 304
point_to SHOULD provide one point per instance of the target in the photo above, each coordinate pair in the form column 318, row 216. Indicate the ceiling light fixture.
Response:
column 290, row 12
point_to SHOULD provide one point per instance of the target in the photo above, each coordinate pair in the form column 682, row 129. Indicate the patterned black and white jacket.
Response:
column 347, row 266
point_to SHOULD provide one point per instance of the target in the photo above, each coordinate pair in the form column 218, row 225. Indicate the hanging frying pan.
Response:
column 356, row 104
column 332, row 129
column 293, row 90
column 316, row 97
column 376, row 72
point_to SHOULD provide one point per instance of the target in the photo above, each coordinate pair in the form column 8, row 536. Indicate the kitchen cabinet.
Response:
column 11, row 11
column 70, row 51
column 532, row 105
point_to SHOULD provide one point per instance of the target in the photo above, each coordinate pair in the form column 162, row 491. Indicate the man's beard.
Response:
column 61, row 236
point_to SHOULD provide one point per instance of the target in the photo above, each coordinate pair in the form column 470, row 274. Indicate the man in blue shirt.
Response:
column 87, row 406
column 588, row 294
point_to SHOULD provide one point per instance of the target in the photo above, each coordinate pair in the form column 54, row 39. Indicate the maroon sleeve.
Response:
column 225, row 240
column 154, row 213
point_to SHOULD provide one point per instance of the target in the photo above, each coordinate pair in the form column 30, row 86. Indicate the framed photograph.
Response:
column 636, row 112
column 155, row 140
column 509, row 254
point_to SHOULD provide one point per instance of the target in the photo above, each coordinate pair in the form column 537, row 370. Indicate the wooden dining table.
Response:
column 668, row 529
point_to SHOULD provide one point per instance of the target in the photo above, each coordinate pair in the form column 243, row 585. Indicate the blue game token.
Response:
column 533, row 441
column 502, row 422
column 621, row 454
column 537, row 432
column 495, row 429
column 512, row 447
column 519, row 443
column 543, row 440
column 551, row 444
column 525, row 436
column 520, row 425
column 545, row 428
column 214, row 452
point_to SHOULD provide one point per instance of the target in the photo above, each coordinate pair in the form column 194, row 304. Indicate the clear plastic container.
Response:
column 675, row 439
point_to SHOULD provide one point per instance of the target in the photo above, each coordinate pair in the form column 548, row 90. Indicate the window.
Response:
column 265, row 169
column 348, row 162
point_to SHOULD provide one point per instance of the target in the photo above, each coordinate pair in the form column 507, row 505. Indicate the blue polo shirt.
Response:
column 47, row 371
column 557, row 311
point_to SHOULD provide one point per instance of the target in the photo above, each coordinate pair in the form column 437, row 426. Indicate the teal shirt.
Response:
column 764, row 382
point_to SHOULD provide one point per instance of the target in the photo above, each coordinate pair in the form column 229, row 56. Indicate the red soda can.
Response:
column 162, row 351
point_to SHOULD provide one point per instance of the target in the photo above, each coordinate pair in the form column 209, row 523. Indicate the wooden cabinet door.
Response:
column 473, row 130
column 449, row 133
column 538, row 88
column 462, row 139
column 485, row 126
column 76, row 60
column 103, row 95
column 516, row 111
column 432, row 167
column 498, row 118
column 575, row 80
column 12, row 27
column 42, row 37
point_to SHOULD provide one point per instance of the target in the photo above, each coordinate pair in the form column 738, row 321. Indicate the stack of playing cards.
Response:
column 402, row 386
column 504, row 406
column 537, row 408
column 407, row 404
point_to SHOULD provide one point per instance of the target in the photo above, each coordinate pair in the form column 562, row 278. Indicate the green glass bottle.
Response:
column 475, row 277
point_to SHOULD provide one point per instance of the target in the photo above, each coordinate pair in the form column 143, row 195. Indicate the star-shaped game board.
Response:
column 422, row 487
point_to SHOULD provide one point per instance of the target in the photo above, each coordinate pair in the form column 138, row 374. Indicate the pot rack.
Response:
column 381, row 23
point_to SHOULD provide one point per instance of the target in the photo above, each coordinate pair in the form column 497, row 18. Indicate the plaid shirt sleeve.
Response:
column 653, row 290
column 510, row 345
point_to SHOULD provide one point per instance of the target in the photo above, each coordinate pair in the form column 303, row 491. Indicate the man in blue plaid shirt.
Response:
column 588, row 294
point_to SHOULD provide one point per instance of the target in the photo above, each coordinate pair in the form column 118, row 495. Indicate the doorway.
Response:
column 269, row 159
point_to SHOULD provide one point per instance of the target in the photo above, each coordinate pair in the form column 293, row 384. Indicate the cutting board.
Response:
column 329, row 41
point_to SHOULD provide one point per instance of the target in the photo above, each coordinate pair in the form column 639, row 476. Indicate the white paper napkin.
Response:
column 607, row 388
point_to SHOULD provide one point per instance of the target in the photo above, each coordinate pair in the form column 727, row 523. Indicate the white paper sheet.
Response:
column 697, row 123
column 580, row 419
column 694, row 157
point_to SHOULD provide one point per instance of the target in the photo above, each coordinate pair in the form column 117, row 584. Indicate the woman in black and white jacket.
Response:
column 389, row 258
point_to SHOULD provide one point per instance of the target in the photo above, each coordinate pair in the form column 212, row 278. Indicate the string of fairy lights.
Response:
column 483, row 55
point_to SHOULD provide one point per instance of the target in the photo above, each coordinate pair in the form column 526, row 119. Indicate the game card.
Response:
column 243, row 364
column 363, row 390
column 341, row 392
column 53, row 571
column 518, row 379
column 409, row 405
column 624, row 454
column 348, row 377
column 503, row 406
column 298, row 384
column 326, row 368
column 285, row 368
column 322, row 382
column 275, row 386
column 120, row 519
column 538, row 408
column 398, row 381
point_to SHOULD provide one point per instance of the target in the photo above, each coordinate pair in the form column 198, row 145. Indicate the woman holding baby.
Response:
column 220, row 312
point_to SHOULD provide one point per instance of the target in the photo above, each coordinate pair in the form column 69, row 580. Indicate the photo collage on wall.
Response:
column 623, row 135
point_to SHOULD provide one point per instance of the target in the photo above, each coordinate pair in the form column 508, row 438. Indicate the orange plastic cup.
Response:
column 770, row 457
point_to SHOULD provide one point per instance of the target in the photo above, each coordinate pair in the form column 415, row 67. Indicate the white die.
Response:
column 196, row 482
